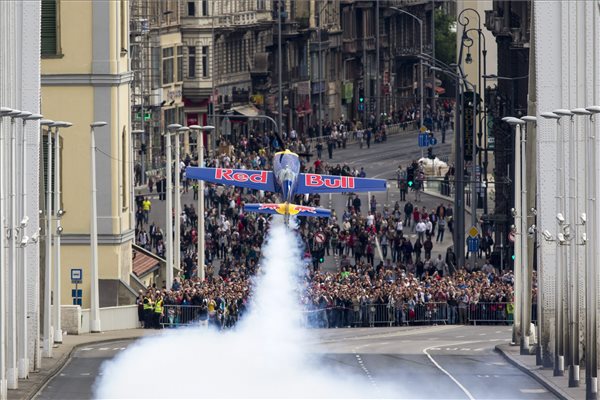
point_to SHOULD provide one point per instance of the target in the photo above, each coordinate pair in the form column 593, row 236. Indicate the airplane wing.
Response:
column 253, row 179
column 292, row 209
column 315, row 183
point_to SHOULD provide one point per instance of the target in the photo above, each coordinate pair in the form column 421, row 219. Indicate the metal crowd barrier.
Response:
column 178, row 315
column 489, row 313
column 371, row 315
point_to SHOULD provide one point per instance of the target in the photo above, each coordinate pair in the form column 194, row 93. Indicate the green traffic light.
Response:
column 321, row 259
column 361, row 99
column 513, row 257
column 410, row 183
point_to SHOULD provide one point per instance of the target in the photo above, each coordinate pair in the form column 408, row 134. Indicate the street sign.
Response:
column 473, row 232
column 432, row 141
column 77, row 293
column 76, row 275
column 423, row 140
column 472, row 244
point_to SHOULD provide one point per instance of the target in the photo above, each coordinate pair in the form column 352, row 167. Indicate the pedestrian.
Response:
column 408, row 210
column 427, row 246
column 441, row 229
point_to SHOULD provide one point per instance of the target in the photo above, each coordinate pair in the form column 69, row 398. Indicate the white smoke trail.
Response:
column 266, row 356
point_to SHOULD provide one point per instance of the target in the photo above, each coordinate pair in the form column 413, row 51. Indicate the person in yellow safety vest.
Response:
column 158, row 310
column 148, row 311
column 510, row 310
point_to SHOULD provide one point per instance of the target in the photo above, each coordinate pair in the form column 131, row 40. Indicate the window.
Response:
column 204, row 8
column 260, row 5
column 191, row 62
column 191, row 9
column 205, row 70
column 124, row 169
column 49, row 28
column 167, row 65
column 179, row 63
column 155, row 67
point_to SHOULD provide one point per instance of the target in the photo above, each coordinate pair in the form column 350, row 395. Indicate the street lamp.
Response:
column 59, row 212
column 95, row 297
column 169, row 211
column 572, row 348
column 559, row 361
column 48, row 333
column 11, row 231
column 4, row 112
column 421, row 76
column 520, row 249
column 200, row 224
column 591, row 299
column 22, row 353
column 178, row 197
column 459, row 232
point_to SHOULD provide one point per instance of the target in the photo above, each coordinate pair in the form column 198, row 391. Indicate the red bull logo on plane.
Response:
column 342, row 182
column 237, row 176
column 299, row 209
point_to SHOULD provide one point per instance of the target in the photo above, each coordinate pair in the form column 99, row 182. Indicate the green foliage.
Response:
column 445, row 37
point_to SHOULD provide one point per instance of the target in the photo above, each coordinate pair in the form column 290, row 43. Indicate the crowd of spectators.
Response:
column 233, row 243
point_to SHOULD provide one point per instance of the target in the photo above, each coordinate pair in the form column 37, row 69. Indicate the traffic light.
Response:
column 361, row 96
column 410, row 176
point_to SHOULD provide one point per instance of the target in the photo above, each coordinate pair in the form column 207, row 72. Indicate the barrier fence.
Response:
column 364, row 315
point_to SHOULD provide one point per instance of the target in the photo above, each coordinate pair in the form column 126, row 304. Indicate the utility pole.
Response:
column 433, row 57
column 377, row 73
column 280, row 69
column 320, row 63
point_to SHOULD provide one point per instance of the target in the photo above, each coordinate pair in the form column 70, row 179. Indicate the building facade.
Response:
column 86, row 78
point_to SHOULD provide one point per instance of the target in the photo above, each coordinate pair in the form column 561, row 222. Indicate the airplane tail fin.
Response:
column 287, row 209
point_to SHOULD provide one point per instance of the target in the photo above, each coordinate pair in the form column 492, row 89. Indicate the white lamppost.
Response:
column 169, row 209
column 58, row 213
column 48, row 340
column 559, row 359
column 591, row 298
column 572, row 348
column 4, row 112
column 584, row 220
column 11, row 281
column 520, row 250
column 95, row 326
column 22, row 352
column 528, row 267
column 177, row 262
column 200, row 224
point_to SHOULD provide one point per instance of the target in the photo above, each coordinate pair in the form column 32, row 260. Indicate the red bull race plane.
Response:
column 286, row 180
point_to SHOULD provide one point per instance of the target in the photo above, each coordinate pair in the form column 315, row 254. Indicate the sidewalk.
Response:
column 558, row 385
column 61, row 354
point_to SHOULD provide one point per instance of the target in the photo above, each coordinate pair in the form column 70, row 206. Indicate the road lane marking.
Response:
column 103, row 348
column 85, row 374
column 87, row 349
column 460, row 336
column 438, row 366
column 533, row 391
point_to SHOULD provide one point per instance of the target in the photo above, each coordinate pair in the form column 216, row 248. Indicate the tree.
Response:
column 445, row 43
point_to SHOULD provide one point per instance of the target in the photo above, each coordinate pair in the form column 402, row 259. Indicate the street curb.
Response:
column 558, row 392
column 64, row 359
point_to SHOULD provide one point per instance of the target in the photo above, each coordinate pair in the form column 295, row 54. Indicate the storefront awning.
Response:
column 248, row 110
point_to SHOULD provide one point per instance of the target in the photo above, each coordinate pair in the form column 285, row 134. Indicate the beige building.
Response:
column 85, row 78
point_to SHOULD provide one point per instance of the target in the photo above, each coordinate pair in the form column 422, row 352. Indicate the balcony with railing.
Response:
column 367, row 43
column 349, row 45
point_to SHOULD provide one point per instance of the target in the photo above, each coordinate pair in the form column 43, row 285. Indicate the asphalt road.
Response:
column 435, row 362
column 379, row 161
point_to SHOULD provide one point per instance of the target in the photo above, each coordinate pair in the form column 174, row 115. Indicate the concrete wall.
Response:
column 76, row 321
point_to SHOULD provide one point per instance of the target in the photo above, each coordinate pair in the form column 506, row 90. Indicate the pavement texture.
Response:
column 558, row 385
column 424, row 362
column 62, row 353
